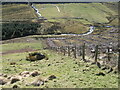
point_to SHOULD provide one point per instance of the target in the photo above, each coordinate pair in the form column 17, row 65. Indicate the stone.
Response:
column 110, row 70
column 15, row 86
column 51, row 77
column 25, row 72
column 86, row 69
column 12, row 63
column 4, row 75
column 15, row 79
column 34, row 73
column 100, row 74
column 3, row 81
column 49, row 64
column 35, row 56
column 102, row 56
column 38, row 82
column 104, row 68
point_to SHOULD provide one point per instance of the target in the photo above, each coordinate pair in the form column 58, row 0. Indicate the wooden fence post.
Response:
column 79, row 54
column 61, row 49
column 83, row 52
column 108, row 53
column 96, row 53
column 75, row 52
column 68, row 50
column 64, row 51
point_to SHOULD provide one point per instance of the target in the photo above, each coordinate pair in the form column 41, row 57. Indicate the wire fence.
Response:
column 105, row 56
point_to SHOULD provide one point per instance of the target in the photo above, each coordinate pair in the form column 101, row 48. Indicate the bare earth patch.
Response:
column 19, row 51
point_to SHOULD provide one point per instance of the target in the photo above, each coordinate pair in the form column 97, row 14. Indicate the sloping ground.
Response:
column 69, row 72
column 92, row 12
column 17, row 12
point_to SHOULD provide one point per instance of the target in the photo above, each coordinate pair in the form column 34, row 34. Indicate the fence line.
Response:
column 82, row 51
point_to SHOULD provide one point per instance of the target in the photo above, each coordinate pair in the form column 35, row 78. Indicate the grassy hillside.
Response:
column 93, row 12
column 70, row 72
column 89, row 12
column 17, row 12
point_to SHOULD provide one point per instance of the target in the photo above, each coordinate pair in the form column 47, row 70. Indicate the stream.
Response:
column 36, row 10
column 91, row 29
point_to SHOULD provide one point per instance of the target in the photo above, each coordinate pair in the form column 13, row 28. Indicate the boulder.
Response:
column 35, row 56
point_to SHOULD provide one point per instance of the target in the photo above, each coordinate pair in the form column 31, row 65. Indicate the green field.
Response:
column 17, row 12
column 93, row 12
column 70, row 72
column 88, row 14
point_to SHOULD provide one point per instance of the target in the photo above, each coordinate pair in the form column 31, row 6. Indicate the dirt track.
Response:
column 18, row 51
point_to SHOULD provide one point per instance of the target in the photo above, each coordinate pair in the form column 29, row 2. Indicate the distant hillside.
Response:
column 89, row 12
column 17, row 12
column 60, row 18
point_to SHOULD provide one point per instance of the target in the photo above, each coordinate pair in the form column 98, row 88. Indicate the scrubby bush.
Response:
column 18, row 29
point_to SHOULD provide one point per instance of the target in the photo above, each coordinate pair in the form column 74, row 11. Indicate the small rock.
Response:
column 1, row 74
column 49, row 64
column 102, row 56
column 24, row 73
column 104, row 68
column 51, row 77
column 3, row 81
column 100, row 74
column 12, row 63
column 15, row 86
column 87, row 65
column 110, row 70
column 38, row 82
column 80, row 79
column 86, row 69
column 15, row 79
column 5, row 75
column 34, row 73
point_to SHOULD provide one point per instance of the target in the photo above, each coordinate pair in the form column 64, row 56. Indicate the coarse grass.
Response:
column 18, row 46
column 17, row 12
column 96, row 12
column 70, row 72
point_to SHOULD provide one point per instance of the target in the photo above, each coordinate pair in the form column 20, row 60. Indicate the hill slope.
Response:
column 92, row 12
